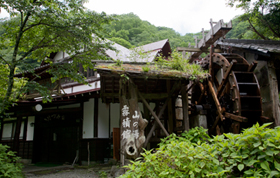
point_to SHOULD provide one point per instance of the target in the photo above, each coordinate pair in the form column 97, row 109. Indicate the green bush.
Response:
column 253, row 153
column 9, row 167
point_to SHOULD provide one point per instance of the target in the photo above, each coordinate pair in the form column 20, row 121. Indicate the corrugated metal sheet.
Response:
column 263, row 46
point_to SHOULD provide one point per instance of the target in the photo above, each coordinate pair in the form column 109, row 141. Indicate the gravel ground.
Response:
column 71, row 173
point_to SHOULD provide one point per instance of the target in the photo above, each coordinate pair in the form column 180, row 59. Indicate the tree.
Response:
column 38, row 28
column 262, row 15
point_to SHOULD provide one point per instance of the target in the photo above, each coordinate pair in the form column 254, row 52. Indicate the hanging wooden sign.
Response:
column 132, row 122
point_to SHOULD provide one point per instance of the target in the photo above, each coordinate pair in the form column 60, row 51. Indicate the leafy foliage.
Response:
column 253, row 153
column 8, row 164
column 39, row 28
column 18, row 85
column 178, row 63
column 261, row 17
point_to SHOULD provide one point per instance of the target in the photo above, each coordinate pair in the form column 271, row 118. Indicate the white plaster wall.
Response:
column 115, row 116
column 59, row 56
column 86, row 87
column 21, row 130
column 88, row 120
column 30, row 129
column 103, row 120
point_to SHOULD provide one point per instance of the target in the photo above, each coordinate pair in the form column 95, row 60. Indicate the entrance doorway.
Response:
column 56, row 137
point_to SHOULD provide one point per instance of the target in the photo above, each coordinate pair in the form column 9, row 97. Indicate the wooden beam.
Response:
column 181, row 49
column 170, row 110
column 225, row 79
column 95, row 124
column 145, row 95
column 17, row 134
column 252, row 66
column 160, row 113
column 152, row 112
column 1, row 127
column 217, row 103
column 235, row 117
column 185, row 104
column 211, row 71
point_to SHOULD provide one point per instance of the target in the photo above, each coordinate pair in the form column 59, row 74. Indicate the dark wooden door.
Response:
column 56, row 138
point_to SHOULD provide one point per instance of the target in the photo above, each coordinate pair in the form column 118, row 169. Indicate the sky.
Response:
column 184, row 16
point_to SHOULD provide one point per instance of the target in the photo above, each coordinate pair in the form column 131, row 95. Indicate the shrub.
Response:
column 9, row 167
column 253, row 153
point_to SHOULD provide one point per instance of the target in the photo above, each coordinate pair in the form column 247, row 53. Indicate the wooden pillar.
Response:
column 170, row 109
column 17, row 134
column 185, row 105
column 1, row 127
column 274, row 96
column 95, row 117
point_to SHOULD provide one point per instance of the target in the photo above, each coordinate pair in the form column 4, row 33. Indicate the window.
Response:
column 9, row 129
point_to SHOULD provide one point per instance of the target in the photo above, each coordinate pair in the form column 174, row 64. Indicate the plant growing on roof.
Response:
column 178, row 63
column 138, row 54
column 38, row 28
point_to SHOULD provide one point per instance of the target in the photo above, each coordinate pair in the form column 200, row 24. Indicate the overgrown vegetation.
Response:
column 176, row 62
column 9, row 167
column 253, row 153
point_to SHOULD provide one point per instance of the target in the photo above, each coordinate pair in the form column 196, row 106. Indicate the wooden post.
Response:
column 17, row 134
column 272, row 79
column 132, row 122
column 185, row 104
column 1, row 127
column 170, row 111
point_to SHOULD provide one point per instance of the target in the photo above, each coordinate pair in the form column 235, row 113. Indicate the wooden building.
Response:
column 77, row 124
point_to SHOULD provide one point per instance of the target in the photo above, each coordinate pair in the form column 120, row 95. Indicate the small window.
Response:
column 9, row 129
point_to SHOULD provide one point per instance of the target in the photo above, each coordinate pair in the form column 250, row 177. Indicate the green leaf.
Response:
column 274, row 174
column 257, row 144
column 277, row 165
column 240, row 167
column 265, row 166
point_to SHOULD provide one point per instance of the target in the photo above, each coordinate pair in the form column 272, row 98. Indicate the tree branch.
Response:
column 31, row 26
column 269, row 26
column 5, row 61
column 255, row 30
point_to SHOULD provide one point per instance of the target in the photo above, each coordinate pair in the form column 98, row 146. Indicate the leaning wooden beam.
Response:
column 160, row 113
column 225, row 79
column 149, row 136
column 235, row 117
column 217, row 103
column 151, row 110
column 253, row 66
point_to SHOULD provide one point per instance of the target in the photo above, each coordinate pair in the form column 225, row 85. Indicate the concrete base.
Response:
column 199, row 120
column 25, row 161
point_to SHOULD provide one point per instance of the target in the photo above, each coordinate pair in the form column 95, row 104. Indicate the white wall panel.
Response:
column 30, row 128
column 103, row 120
column 88, row 120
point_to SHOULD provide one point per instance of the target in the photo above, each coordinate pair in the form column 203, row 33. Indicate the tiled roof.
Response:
column 263, row 46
